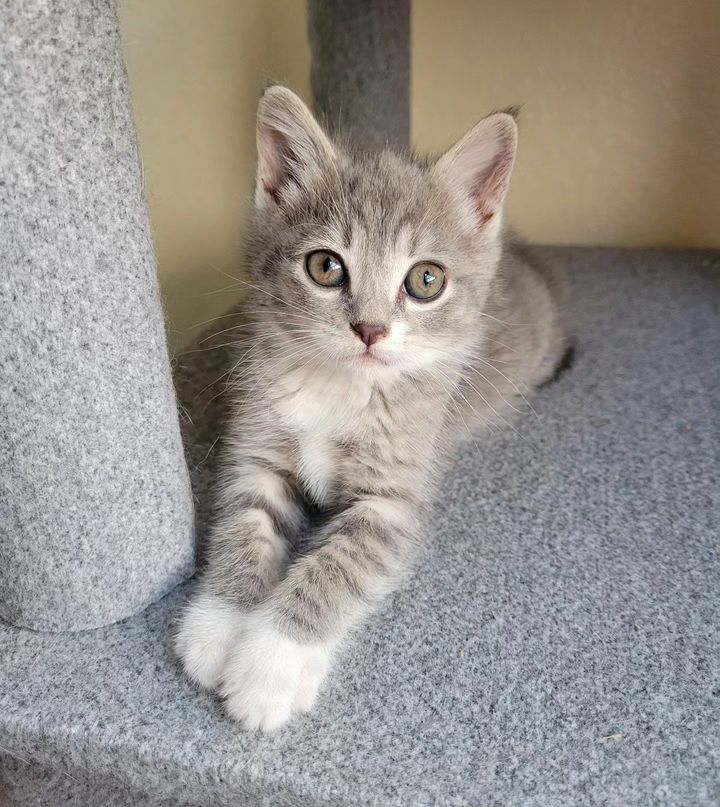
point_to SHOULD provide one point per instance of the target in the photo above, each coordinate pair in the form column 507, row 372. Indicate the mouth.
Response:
column 368, row 358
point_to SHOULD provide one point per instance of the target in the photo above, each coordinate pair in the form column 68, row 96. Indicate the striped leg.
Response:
column 359, row 555
column 261, row 514
column 278, row 664
column 247, row 556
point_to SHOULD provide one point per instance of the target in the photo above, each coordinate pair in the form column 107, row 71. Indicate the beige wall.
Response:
column 620, row 132
column 197, row 68
column 620, row 129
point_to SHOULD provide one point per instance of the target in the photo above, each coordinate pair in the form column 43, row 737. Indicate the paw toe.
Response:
column 207, row 631
column 256, row 710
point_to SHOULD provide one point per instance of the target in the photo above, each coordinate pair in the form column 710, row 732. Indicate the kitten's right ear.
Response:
column 291, row 146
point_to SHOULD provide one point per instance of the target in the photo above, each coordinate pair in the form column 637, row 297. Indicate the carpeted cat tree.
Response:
column 558, row 644
column 95, row 502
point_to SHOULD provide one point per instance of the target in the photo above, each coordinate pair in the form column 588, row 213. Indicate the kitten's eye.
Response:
column 425, row 281
column 325, row 268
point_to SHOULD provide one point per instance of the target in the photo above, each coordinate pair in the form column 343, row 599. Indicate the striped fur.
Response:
column 337, row 440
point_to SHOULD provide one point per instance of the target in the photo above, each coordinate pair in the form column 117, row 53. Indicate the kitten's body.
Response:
column 352, row 441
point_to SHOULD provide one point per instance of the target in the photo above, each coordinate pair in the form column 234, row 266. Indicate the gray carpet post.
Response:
column 361, row 69
column 96, row 516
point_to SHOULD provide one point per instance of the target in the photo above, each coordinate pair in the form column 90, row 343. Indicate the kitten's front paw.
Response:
column 207, row 632
column 268, row 678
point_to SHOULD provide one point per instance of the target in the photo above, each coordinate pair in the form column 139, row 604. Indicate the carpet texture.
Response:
column 559, row 644
column 360, row 70
column 95, row 502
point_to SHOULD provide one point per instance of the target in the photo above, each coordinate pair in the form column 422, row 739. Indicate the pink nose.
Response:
column 368, row 332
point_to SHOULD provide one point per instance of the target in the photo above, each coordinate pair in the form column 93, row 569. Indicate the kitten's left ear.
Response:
column 479, row 165
column 291, row 146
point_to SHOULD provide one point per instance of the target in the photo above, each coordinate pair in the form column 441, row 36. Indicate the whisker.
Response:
column 498, row 342
column 269, row 331
column 273, row 296
column 225, row 330
column 274, row 315
column 487, row 380
column 493, row 410
column 511, row 382
column 508, row 324
column 450, row 399
column 210, row 321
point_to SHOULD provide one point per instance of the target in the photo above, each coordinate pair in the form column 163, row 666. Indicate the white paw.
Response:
column 206, row 634
column 268, row 678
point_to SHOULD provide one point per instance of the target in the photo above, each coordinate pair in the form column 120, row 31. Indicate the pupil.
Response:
column 428, row 278
column 328, row 265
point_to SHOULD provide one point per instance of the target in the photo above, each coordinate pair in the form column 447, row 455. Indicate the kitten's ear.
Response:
column 291, row 146
column 479, row 165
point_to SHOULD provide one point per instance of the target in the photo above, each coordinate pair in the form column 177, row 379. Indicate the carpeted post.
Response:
column 95, row 507
column 361, row 69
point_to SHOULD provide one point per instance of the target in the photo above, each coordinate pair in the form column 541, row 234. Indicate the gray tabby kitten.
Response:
column 387, row 317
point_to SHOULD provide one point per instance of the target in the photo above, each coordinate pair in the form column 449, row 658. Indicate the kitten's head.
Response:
column 379, row 264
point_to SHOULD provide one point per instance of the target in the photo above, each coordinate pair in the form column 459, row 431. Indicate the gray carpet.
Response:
column 558, row 646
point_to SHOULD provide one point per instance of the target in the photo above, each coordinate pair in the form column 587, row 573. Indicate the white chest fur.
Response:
column 320, row 410
column 316, row 467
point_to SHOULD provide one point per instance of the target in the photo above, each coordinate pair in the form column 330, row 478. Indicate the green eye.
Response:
column 325, row 268
column 425, row 281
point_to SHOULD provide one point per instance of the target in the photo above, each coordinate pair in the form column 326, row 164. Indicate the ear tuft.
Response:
column 514, row 111
column 291, row 145
column 480, row 164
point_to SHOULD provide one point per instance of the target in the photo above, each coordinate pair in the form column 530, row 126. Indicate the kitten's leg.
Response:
column 247, row 556
column 277, row 665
